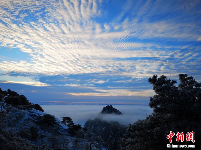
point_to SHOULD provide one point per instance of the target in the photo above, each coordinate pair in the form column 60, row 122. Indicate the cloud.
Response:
column 107, row 27
column 115, row 92
column 199, row 38
column 21, row 80
column 81, row 113
column 72, row 37
column 27, row 83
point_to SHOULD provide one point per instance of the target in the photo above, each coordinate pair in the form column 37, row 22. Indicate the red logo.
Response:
column 170, row 136
column 190, row 136
column 180, row 136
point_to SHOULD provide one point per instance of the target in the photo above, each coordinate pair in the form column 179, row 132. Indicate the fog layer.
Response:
column 81, row 113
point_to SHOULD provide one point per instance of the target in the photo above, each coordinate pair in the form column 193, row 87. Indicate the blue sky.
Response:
column 65, row 51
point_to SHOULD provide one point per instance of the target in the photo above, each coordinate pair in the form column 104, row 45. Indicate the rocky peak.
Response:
column 109, row 109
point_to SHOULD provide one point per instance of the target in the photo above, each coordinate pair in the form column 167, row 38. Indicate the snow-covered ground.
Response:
column 19, row 123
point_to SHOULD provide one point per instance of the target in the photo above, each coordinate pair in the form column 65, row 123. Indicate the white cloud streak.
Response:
column 116, row 92
column 21, row 80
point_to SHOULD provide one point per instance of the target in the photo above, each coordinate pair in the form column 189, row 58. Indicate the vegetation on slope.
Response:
column 109, row 109
column 176, row 109
column 24, row 125
column 20, row 101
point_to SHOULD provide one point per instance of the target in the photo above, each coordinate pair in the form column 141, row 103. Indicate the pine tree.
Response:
column 176, row 108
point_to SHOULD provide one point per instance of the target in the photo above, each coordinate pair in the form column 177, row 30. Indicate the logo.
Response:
column 180, row 137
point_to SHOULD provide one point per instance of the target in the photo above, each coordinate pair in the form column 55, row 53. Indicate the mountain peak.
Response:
column 109, row 109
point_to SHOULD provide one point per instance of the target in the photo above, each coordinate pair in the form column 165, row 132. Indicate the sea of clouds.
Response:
column 81, row 113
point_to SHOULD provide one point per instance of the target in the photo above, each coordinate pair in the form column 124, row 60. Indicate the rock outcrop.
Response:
column 109, row 109
column 109, row 131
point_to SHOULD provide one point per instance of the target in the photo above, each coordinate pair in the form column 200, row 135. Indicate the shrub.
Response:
column 48, row 120
column 17, row 100
column 38, row 107
column 34, row 132
column 67, row 121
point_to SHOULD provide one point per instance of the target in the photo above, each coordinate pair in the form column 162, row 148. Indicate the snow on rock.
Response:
column 28, row 125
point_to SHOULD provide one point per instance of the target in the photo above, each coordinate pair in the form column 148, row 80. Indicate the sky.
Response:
column 96, row 51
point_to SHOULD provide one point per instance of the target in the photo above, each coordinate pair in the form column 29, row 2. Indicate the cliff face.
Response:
column 109, row 131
